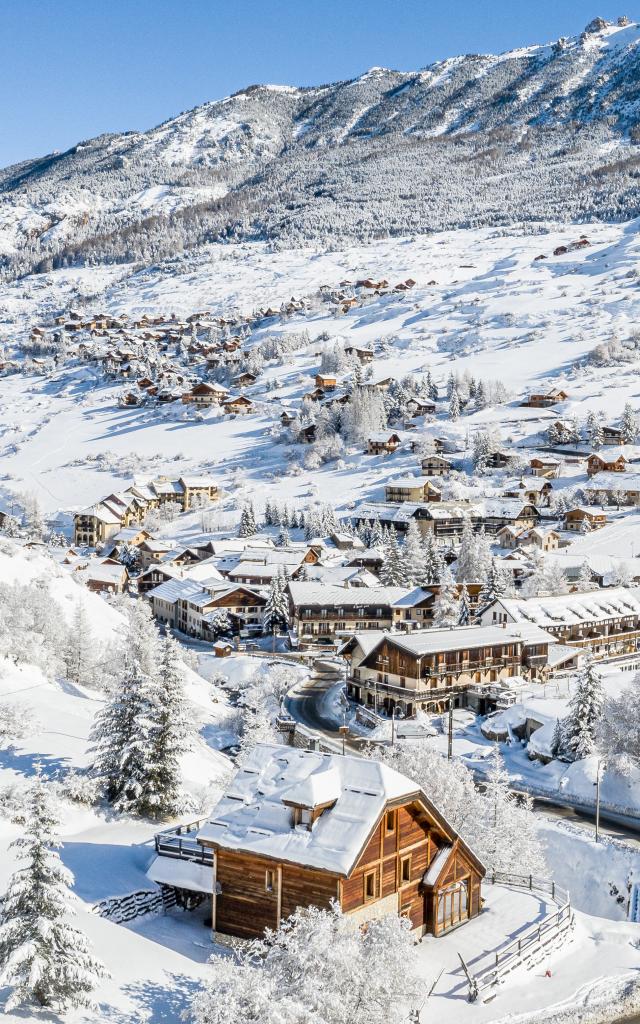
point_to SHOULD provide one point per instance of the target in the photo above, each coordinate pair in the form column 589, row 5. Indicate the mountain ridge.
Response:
column 546, row 132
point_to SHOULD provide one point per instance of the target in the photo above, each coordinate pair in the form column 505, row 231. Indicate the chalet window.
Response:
column 390, row 822
column 405, row 869
column 370, row 885
column 269, row 880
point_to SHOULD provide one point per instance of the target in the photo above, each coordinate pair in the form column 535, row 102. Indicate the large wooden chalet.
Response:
column 300, row 828
column 605, row 622
column 407, row 673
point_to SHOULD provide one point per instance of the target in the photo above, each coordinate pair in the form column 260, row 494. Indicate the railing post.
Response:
column 531, row 881
column 553, row 890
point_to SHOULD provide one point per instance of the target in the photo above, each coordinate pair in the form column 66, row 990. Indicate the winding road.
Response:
column 309, row 704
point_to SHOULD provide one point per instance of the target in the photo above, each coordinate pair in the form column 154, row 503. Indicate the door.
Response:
column 452, row 905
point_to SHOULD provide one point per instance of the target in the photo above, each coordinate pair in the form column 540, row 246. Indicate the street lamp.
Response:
column 597, row 785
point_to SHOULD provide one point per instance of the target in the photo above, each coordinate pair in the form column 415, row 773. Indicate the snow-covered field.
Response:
column 493, row 310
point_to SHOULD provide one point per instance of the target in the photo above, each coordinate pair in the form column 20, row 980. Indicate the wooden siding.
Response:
column 244, row 907
column 302, row 887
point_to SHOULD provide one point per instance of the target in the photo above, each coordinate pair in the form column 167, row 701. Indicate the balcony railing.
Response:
column 423, row 693
column 181, row 843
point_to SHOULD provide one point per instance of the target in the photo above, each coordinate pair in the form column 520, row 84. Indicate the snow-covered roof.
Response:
column 175, row 590
column 252, row 816
column 404, row 482
column 436, row 867
column 184, row 874
column 574, row 609
column 434, row 641
column 343, row 575
column 318, row 788
column 309, row 593
column 101, row 512
column 105, row 572
column 614, row 482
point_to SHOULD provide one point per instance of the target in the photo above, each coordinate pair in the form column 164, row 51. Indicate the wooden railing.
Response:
column 555, row 926
column 180, row 843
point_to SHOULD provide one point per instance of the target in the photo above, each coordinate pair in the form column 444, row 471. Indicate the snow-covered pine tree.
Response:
column 481, row 451
column 413, row 555
column 629, row 424
column 454, row 405
column 79, row 656
column 594, row 431
column 124, row 729
column 619, row 729
column 580, row 726
column 43, row 958
column 584, row 583
column 276, row 610
column 393, row 569
column 247, row 521
column 467, row 568
column 494, row 585
column 172, row 732
column 446, row 608
column 377, row 536
column 465, row 614
column 433, row 562
column 283, row 539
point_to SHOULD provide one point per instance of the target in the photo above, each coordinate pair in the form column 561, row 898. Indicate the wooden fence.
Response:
column 121, row 909
column 550, row 930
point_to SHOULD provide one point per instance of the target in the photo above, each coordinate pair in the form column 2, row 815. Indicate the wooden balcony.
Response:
column 181, row 843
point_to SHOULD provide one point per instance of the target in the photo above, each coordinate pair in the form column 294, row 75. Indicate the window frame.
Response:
column 390, row 816
column 369, row 875
column 269, row 880
column 405, row 879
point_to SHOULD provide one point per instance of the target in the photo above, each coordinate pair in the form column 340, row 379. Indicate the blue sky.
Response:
column 71, row 69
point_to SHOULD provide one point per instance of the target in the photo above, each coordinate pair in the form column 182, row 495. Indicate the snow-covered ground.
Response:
column 493, row 310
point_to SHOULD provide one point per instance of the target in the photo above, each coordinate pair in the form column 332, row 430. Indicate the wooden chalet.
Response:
column 606, row 462
column 239, row 406
column 582, row 519
column 364, row 355
column 436, row 465
column 612, row 435
column 326, row 381
column 415, row 671
column 604, row 621
column 383, row 443
column 321, row 612
column 205, row 393
column 544, row 400
column 299, row 828
column 409, row 488
column 245, row 380
column 546, row 467
column 616, row 488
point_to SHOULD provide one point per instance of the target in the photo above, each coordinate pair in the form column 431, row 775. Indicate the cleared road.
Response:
column 308, row 704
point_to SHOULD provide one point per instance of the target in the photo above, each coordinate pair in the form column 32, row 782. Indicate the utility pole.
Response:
column 598, row 799
column 450, row 735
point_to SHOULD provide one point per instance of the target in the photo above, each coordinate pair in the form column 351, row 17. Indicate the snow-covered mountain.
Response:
column 546, row 132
